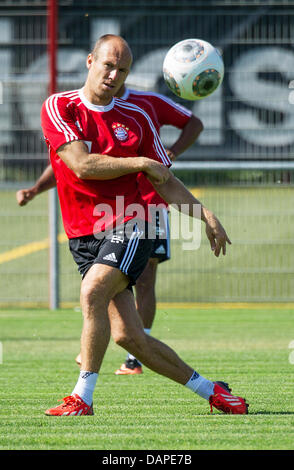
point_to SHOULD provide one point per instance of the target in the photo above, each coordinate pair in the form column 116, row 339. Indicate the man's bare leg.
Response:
column 100, row 284
column 145, row 293
column 127, row 331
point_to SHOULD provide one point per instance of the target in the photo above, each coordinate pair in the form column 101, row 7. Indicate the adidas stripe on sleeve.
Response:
column 57, row 120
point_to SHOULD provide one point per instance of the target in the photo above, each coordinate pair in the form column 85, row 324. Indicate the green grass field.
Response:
column 248, row 347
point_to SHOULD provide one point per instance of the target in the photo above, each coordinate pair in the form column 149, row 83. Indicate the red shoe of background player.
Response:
column 224, row 401
column 71, row 406
column 130, row 367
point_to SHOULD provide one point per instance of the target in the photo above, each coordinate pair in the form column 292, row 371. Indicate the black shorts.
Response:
column 128, row 253
column 161, row 244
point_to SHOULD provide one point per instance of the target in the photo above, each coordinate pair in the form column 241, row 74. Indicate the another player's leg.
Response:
column 146, row 307
column 145, row 293
column 127, row 331
column 100, row 284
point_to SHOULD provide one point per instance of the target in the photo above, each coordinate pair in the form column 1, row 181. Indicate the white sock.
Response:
column 200, row 385
column 85, row 386
column 133, row 358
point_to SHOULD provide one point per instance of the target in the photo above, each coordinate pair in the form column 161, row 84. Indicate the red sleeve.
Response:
column 151, row 145
column 58, row 122
column 170, row 113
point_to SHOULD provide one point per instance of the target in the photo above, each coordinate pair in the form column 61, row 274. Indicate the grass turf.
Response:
column 246, row 347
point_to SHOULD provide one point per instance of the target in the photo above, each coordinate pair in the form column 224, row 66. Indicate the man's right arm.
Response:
column 93, row 166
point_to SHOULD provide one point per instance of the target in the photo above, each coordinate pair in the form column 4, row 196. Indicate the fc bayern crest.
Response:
column 120, row 131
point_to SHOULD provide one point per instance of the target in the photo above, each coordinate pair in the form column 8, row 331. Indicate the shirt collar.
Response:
column 95, row 107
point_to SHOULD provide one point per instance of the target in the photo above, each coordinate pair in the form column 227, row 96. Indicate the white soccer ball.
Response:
column 193, row 69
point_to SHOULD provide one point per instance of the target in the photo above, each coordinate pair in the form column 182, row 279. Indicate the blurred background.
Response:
column 241, row 167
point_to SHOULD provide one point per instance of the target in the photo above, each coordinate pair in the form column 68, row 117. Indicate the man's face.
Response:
column 108, row 71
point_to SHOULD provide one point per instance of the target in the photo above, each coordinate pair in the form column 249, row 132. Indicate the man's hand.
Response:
column 23, row 196
column 171, row 155
column 216, row 235
column 156, row 172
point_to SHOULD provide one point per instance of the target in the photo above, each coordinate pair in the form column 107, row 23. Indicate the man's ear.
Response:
column 89, row 61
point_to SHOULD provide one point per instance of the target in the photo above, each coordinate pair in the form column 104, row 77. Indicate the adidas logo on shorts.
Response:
column 110, row 257
column 160, row 250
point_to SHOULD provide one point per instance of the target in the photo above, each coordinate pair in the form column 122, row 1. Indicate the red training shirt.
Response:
column 120, row 130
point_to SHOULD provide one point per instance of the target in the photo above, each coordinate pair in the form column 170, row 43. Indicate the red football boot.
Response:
column 71, row 406
column 224, row 401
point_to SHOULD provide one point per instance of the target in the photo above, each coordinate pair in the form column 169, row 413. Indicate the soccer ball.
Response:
column 193, row 69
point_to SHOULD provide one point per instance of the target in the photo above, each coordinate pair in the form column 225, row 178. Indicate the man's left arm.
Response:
column 174, row 192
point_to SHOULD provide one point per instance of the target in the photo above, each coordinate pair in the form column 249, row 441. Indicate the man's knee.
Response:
column 92, row 290
column 132, row 341
column 121, row 338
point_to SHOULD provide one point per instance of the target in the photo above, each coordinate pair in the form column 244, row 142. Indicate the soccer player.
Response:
column 98, row 144
column 162, row 111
